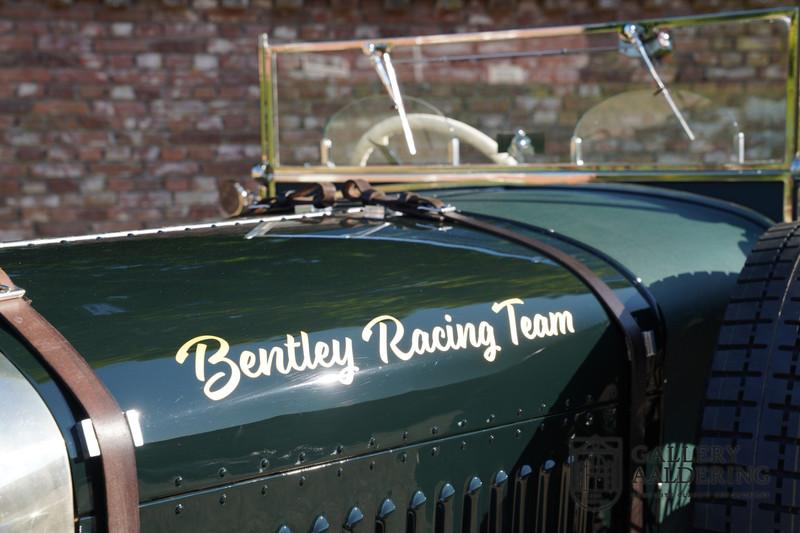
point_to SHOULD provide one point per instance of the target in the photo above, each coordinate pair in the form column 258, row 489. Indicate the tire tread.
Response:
column 752, row 399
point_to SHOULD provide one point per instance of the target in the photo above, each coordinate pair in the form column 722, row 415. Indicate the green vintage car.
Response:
column 528, row 281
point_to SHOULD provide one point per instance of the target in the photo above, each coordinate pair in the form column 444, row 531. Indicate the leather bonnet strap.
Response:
column 414, row 205
column 111, row 427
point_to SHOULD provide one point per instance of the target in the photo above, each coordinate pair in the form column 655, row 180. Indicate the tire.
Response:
column 746, row 475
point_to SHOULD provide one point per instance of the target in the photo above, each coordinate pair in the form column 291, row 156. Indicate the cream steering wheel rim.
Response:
column 432, row 123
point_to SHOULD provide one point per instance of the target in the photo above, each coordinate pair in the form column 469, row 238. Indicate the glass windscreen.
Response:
column 702, row 94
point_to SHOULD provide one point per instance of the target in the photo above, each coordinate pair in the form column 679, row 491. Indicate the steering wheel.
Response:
column 431, row 123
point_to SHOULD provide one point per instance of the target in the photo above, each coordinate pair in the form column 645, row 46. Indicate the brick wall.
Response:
column 120, row 114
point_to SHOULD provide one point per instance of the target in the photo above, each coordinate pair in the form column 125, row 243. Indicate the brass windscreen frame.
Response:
column 776, row 170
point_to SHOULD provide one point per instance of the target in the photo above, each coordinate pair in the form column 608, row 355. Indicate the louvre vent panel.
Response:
column 515, row 479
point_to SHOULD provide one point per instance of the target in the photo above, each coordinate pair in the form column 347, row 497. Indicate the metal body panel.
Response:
column 35, row 481
column 129, row 304
column 149, row 297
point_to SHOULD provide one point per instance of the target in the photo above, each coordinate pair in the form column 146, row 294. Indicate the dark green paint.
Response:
column 253, row 291
column 128, row 305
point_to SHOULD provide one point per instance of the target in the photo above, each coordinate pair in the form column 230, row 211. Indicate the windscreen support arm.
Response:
column 382, row 61
column 633, row 32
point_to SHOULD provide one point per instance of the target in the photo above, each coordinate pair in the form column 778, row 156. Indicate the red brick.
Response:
column 177, row 183
column 120, row 184
column 233, row 92
column 9, row 186
column 91, row 92
column 116, row 170
column 118, row 61
column 16, row 41
column 205, row 212
column 13, row 170
column 30, row 153
column 201, row 153
column 60, row 229
column 227, row 169
column 205, row 93
column 95, row 214
column 113, row 226
column 180, row 46
column 14, row 106
column 173, row 153
column 149, row 29
column 63, row 186
column 88, row 139
column 80, row 75
column 106, row 46
column 61, row 107
column 60, row 91
column 21, row 11
column 63, row 214
column 152, row 215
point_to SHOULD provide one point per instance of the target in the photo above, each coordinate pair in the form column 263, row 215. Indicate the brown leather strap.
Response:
column 634, row 340
column 360, row 189
column 112, row 430
column 320, row 194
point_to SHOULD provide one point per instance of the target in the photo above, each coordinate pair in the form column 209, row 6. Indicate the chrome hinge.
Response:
column 88, row 437
column 374, row 212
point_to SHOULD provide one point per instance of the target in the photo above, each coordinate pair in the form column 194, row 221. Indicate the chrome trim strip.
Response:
column 91, row 448
column 163, row 230
column 134, row 422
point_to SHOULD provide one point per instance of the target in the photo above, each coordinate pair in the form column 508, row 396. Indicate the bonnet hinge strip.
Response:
column 111, row 427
